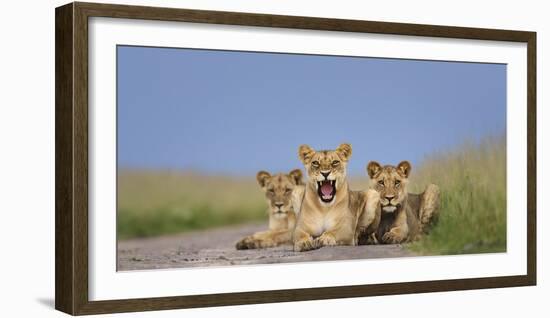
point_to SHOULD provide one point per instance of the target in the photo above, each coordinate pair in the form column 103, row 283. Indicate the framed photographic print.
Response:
column 211, row 158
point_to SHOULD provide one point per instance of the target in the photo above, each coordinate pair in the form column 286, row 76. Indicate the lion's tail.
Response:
column 429, row 207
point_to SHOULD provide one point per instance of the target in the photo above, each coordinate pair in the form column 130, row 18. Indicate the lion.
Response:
column 279, row 190
column 330, row 213
column 405, row 216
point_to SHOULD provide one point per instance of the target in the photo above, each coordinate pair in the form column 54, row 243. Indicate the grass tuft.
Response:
column 472, row 180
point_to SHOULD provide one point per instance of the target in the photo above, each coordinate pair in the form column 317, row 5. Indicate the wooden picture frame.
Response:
column 71, row 123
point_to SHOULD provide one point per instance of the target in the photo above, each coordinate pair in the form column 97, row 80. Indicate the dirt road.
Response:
column 217, row 248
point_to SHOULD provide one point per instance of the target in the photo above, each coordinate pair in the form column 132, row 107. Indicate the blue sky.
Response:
column 236, row 113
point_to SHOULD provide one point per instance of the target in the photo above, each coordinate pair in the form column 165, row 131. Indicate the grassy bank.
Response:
column 152, row 203
column 472, row 179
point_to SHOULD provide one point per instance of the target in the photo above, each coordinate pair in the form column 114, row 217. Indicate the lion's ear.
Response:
column 263, row 177
column 296, row 176
column 305, row 153
column 404, row 168
column 344, row 151
column 373, row 168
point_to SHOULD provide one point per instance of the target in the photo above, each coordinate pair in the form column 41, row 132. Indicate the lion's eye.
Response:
column 288, row 191
column 271, row 190
column 315, row 164
column 381, row 183
column 335, row 163
column 397, row 183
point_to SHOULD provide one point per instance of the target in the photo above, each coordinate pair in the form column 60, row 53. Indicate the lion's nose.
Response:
column 325, row 174
column 389, row 197
column 279, row 205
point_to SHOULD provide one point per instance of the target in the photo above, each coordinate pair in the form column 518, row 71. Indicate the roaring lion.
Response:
column 405, row 216
column 279, row 190
column 329, row 212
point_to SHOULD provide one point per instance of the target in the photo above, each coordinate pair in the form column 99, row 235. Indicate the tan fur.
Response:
column 278, row 190
column 404, row 216
column 333, row 221
column 368, row 218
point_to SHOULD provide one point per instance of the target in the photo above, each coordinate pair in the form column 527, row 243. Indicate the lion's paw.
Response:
column 248, row 243
column 305, row 245
column 325, row 240
column 392, row 238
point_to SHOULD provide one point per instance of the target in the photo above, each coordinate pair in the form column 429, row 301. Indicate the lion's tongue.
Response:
column 326, row 188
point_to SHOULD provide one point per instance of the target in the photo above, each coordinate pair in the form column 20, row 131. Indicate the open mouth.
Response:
column 326, row 190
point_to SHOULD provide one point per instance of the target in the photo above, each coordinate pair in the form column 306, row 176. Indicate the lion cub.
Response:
column 330, row 213
column 405, row 216
column 278, row 190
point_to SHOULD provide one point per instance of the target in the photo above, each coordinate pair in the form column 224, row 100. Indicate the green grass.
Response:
column 472, row 180
column 152, row 203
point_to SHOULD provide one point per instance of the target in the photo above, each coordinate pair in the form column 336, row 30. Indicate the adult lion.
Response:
column 330, row 213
